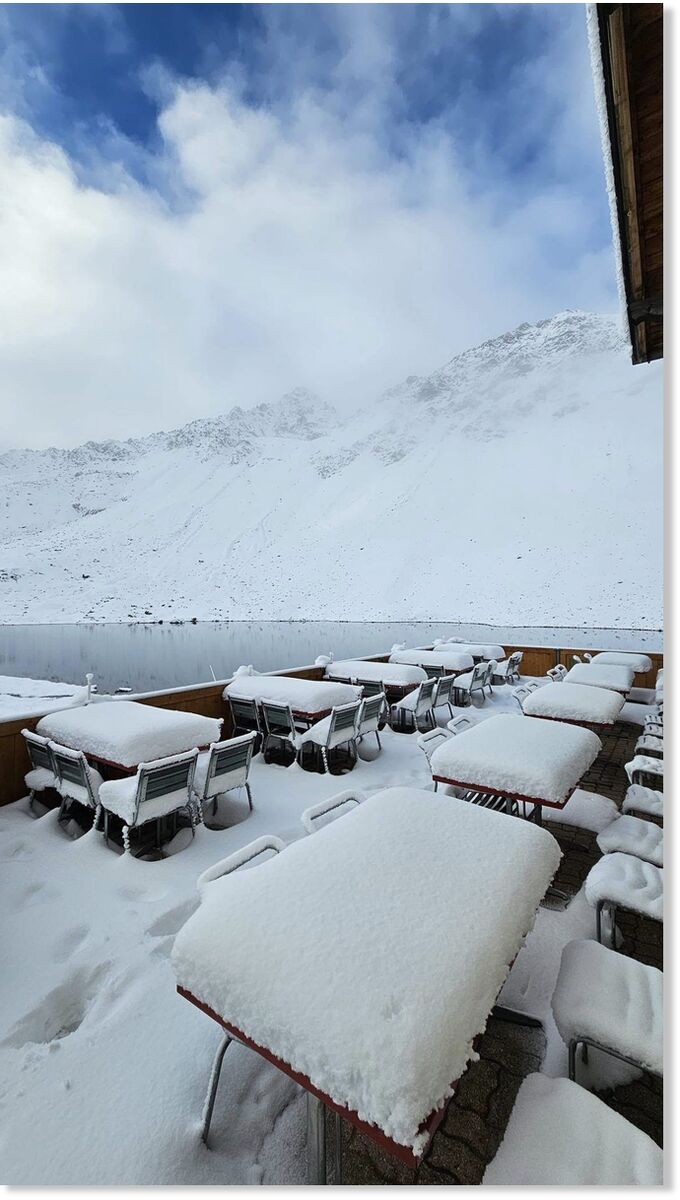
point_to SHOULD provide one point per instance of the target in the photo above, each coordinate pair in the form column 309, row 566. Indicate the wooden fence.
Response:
column 206, row 698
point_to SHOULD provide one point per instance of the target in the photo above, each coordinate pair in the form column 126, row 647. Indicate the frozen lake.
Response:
column 149, row 657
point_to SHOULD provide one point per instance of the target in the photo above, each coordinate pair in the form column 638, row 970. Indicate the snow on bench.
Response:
column 519, row 757
column 632, row 835
column 626, row 881
column 398, row 674
column 560, row 1134
column 612, row 1000
column 303, row 695
column 616, row 678
column 574, row 702
column 128, row 733
column 639, row 663
column 368, row 957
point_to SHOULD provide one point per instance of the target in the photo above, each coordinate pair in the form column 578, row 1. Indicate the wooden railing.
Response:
column 207, row 699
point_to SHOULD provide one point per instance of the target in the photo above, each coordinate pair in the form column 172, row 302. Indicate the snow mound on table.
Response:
column 638, row 662
column 610, row 999
column 632, row 835
column 397, row 673
column 574, row 702
column 369, row 956
column 594, row 675
column 629, row 882
column 452, row 660
column 125, row 732
column 519, row 756
column 303, row 695
column 560, row 1134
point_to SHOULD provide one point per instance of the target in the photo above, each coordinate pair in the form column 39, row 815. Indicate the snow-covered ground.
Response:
column 19, row 697
column 97, row 1051
column 521, row 482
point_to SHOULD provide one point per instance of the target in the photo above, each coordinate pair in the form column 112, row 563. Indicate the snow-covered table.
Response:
column 364, row 960
column 309, row 699
column 537, row 762
column 574, row 703
column 450, row 660
column 478, row 650
column 123, row 733
column 612, row 676
column 639, row 663
column 396, row 676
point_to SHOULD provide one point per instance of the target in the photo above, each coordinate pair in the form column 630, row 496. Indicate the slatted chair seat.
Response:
column 643, row 802
column 370, row 716
column 623, row 881
column 609, row 1001
column 582, row 1141
column 77, row 781
column 281, row 739
column 42, row 774
column 223, row 768
column 415, row 710
column 159, row 789
column 338, row 729
column 631, row 835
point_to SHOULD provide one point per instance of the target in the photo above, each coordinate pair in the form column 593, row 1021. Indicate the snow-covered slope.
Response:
column 521, row 483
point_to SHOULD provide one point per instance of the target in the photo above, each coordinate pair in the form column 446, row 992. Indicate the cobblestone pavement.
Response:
column 477, row 1115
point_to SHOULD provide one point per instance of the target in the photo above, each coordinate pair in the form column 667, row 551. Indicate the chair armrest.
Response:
column 239, row 859
column 312, row 814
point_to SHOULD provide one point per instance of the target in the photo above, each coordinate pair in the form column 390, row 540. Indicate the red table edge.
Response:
column 403, row 1153
column 491, row 791
column 581, row 721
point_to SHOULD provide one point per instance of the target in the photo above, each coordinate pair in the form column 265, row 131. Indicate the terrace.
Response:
column 95, row 1037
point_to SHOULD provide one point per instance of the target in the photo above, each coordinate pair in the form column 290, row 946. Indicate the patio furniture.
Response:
column 280, row 734
column 429, row 741
column 77, row 781
column 649, row 744
column 415, row 710
column 369, row 687
column 42, row 774
column 443, row 693
column 449, row 659
column 370, row 715
column 610, row 1002
column 614, row 678
column 632, row 835
column 624, row 881
column 310, row 700
column 159, row 789
column 245, row 718
column 223, row 768
column 340, row 728
column 254, row 957
column 459, row 724
column 525, row 689
column 572, row 702
column 645, row 770
column 532, row 762
column 124, row 733
column 312, row 818
column 474, row 682
column 478, row 650
column 508, row 670
column 393, row 678
column 582, row 1141
column 639, row 663
column 643, row 802
column 558, row 673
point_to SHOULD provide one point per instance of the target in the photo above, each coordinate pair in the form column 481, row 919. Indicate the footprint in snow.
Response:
column 69, row 942
column 173, row 920
column 61, row 1012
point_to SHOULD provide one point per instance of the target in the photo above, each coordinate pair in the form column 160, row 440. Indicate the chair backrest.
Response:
column 163, row 779
column 459, row 724
column 423, row 702
column 312, row 818
column 442, row 692
column 479, row 676
column 73, row 775
column 428, row 742
column 490, row 669
column 514, row 661
column 39, row 751
column 229, row 764
column 557, row 673
column 244, row 714
column 277, row 718
column 343, row 723
column 370, row 713
column 434, row 672
column 371, row 687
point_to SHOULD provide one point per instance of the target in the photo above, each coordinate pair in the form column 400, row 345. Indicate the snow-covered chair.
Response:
column 415, row 709
column 428, row 742
column 649, row 744
column 280, row 743
column 581, row 1141
column 474, row 681
column 222, row 768
column 508, row 670
column 459, row 724
column 159, row 789
column 632, row 835
column 643, row 802
column 370, row 716
column 42, row 774
column 340, row 728
column 653, row 724
column 443, row 693
column 312, row 818
column 525, row 689
column 646, row 770
column 77, row 781
column 369, row 687
column 558, row 673
column 245, row 718
column 611, row 1002
column 624, row 881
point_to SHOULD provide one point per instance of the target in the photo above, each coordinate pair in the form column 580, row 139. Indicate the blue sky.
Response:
column 230, row 200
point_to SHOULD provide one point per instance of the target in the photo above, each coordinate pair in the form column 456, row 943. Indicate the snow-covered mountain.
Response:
column 519, row 484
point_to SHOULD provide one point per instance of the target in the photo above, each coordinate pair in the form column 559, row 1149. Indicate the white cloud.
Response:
column 283, row 246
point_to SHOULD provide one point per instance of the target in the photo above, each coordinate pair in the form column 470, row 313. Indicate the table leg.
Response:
column 316, row 1140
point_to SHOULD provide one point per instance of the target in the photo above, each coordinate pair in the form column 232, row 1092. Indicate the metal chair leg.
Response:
column 612, row 918
column 324, row 759
column 212, row 1086
column 316, row 1140
column 250, row 798
column 377, row 738
column 598, row 920
column 573, row 1046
